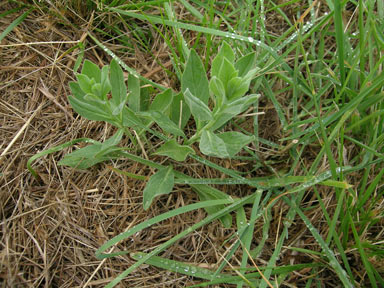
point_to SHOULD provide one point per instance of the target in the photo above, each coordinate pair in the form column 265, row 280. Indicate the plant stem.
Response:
column 209, row 125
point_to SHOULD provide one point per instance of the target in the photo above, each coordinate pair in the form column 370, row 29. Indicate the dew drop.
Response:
column 250, row 39
column 333, row 263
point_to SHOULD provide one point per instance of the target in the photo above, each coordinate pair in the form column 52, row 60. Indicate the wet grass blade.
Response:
column 271, row 95
column 256, row 275
column 168, row 243
column 339, row 40
column 192, row 27
column 333, row 262
column 179, row 267
column 100, row 252
column 192, row 9
column 125, row 66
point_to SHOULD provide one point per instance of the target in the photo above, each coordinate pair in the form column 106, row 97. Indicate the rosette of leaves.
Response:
column 227, row 88
column 102, row 95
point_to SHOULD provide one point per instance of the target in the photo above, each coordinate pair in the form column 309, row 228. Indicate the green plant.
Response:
column 226, row 92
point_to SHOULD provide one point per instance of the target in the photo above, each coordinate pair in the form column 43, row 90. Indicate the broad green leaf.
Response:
column 227, row 52
column 217, row 88
column 235, row 141
column 91, row 155
column 85, row 83
column 76, row 90
column 113, row 141
column 130, row 119
column 96, row 90
column 174, row 150
column 246, row 64
column 145, row 98
column 134, row 93
column 83, row 158
column 118, row 87
column 251, row 74
column 92, row 111
column 206, row 193
column 92, row 99
column 179, row 112
column 212, row 145
column 163, row 121
column 160, row 183
column 105, row 84
column 216, row 65
column 195, row 78
column 117, row 109
column 199, row 109
column 239, row 105
column 234, row 108
column 237, row 87
column 227, row 72
column 87, row 105
column 162, row 101
column 91, row 70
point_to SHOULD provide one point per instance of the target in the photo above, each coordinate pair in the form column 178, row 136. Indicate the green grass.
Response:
column 16, row 22
column 331, row 76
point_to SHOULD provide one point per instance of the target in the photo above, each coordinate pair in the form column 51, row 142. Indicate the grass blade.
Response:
column 333, row 262
column 53, row 150
column 14, row 23
column 168, row 243
column 363, row 255
column 125, row 66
